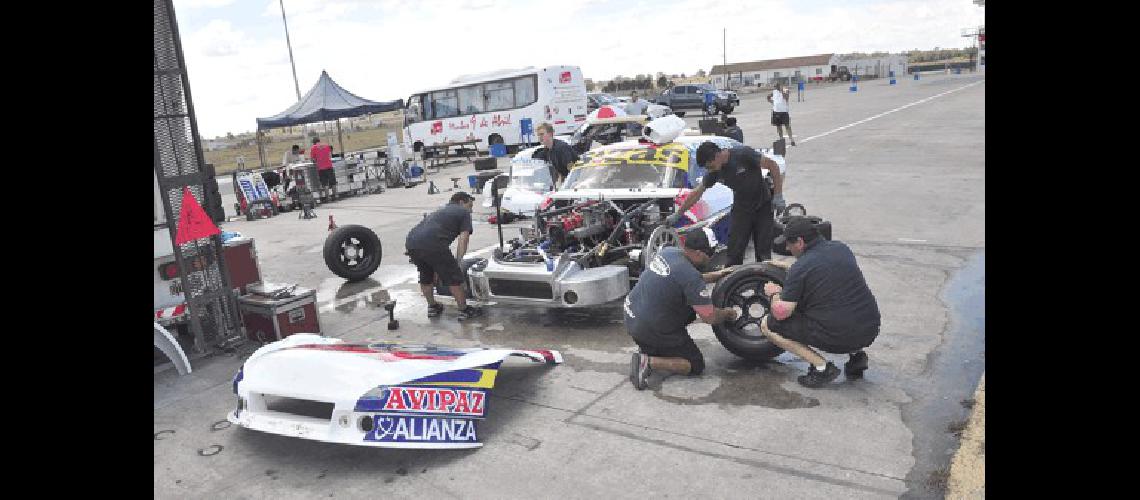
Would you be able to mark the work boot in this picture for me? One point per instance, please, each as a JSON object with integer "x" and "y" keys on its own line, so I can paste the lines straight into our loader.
{"x": 639, "y": 371}
{"x": 856, "y": 365}
{"x": 815, "y": 378}
{"x": 434, "y": 310}
{"x": 470, "y": 312}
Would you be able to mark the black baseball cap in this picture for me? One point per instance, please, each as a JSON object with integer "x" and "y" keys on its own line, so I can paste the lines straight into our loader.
{"x": 800, "y": 227}
{"x": 699, "y": 240}
{"x": 461, "y": 196}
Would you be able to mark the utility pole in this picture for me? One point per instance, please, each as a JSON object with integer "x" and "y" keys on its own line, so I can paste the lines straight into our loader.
{"x": 724, "y": 49}
{"x": 289, "y": 44}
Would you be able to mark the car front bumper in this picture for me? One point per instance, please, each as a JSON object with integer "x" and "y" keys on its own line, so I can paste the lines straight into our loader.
{"x": 564, "y": 284}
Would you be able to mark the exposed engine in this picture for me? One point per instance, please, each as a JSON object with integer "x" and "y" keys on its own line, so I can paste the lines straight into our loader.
{"x": 595, "y": 232}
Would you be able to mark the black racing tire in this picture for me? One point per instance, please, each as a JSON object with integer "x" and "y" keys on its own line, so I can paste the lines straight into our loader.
{"x": 726, "y": 109}
{"x": 495, "y": 139}
{"x": 352, "y": 252}
{"x": 744, "y": 289}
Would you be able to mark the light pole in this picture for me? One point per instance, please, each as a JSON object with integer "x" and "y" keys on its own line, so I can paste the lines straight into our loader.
{"x": 289, "y": 44}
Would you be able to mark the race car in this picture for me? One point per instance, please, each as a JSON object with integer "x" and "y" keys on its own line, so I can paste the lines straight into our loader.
{"x": 382, "y": 395}
{"x": 596, "y": 233}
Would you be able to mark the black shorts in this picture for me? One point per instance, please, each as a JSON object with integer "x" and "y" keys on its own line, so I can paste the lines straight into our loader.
{"x": 781, "y": 118}
{"x": 809, "y": 332}
{"x": 688, "y": 350}
{"x": 432, "y": 262}
{"x": 328, "y": 177}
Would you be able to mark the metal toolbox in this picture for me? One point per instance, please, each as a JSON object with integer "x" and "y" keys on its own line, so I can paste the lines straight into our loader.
{"x": 270, "y": 319}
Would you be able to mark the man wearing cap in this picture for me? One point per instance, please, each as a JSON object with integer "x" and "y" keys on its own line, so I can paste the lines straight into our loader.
{"x": 428, "y": 246}
{"x": 668, "y": 296}
{"x": 752, "y": 199}
{"x": 825, "y": 303}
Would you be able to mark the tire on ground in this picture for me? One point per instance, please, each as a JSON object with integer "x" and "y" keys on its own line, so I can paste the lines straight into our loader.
{"x": 361, "y": 268}
{"x": 748, "y": 345}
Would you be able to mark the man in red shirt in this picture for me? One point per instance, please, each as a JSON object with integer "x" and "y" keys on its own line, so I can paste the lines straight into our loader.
{"x": 322, "y": 155}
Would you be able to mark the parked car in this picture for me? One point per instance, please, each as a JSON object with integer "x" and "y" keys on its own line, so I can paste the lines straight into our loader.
{"x": 692, "y": 97}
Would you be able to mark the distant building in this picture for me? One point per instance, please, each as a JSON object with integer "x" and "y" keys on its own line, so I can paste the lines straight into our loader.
{"x": 807, "y": 68}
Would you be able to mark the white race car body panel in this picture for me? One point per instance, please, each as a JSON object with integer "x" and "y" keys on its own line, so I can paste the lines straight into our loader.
{"x": 381, "y": 394}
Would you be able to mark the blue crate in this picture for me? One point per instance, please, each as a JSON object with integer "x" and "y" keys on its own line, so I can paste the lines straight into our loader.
{"x": 498, "y": 150}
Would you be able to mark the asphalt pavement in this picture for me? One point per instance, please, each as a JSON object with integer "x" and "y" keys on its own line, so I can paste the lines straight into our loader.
{"x": 898, "y": 170}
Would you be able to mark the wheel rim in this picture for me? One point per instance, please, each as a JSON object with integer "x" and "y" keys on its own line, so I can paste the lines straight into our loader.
{"x": 660, "y": 238}
{"x": 748, "y": 299}
{"x": 355, "y": 253}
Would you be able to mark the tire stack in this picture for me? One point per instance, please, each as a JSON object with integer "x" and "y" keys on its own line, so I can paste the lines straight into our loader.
{"x": 213, "y": 202}
{"x": 796, "y": 210}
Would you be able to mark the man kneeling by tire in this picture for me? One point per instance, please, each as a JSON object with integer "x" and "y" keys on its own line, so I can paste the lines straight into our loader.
{"x": 668, "y": 297}
{"x": 825, "y": 303}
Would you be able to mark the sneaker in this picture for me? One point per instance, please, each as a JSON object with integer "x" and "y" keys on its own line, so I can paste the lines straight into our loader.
{"x": 434, "y": 310}
{"x": 639, "y": 371}
{"x": 855, "y": 366}
{"x": 816, "y": 378}
{"x": 793, "y": 142}
{"x": 470, "y": 312}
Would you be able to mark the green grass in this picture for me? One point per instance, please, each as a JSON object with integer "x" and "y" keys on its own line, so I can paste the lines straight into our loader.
{"x": 226, "y": 160}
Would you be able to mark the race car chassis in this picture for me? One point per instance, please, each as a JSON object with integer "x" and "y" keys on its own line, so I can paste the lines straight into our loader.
{"x": 561, "y": 283}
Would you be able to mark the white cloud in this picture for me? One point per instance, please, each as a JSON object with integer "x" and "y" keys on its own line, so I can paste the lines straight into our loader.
{"x": 387, "y": 49}
{"x": 198, "y": 4}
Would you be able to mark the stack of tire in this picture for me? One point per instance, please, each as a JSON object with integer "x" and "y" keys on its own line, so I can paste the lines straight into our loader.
{"x": 212, "y": 203}
{"x": 796, "y": 210}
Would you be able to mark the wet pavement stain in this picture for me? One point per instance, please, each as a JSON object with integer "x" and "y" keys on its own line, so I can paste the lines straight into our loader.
{"x": 744, "y": 383}
{"x": 952, "y": 374}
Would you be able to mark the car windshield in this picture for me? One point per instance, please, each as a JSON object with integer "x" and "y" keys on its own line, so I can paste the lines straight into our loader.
{"x": 639, "y": 168}
{"x": 530, "y": 175}
{"x": 642, "y": 176}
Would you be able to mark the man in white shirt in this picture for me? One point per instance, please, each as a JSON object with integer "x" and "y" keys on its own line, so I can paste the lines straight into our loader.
{"x": 779, "y": 100}
{"x": 635, "y": 107}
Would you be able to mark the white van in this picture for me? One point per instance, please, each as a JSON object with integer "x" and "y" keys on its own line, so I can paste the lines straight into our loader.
{"x": 491, "y": 106}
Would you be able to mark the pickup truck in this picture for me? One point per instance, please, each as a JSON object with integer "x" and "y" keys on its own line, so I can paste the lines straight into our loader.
{"x": 683, "y": 97}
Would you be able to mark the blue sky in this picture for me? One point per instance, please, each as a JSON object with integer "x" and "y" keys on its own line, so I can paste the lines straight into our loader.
{"x": 387, "y": 49}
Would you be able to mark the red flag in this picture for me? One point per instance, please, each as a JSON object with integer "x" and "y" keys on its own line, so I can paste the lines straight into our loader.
{"x": 193, "y": 223}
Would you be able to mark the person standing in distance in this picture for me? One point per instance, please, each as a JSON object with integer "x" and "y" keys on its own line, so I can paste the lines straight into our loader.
{"x": 321, "y": 154}
{"x": 779, "y": 100}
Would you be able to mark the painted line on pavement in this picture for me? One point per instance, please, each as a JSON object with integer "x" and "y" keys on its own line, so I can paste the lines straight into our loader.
{"x": 900, "y": 108}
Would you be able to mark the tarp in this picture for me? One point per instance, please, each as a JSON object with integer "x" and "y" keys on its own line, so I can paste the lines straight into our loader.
{"x": 326, "y": 101}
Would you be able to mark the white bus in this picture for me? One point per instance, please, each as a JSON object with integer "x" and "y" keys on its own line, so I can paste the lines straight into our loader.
{"x": 491, "y": 107}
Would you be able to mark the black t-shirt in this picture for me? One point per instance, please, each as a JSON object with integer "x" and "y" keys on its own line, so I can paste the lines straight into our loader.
{"x": 560, "y": 156}
{"x": 661, "y": 304}
{"x": 742, "y": 174}
{"x": 828, "y": 287}
{"x": 440, "y": 228}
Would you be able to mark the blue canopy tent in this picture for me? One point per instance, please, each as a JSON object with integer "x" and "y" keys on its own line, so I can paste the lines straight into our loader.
{"x": 325, "y": 101}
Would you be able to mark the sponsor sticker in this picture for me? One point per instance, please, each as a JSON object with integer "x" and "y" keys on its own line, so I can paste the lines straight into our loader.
{"x": 427, "y": 401}
{"x": 673, "y": 155}
{"x": 414, "y": 429}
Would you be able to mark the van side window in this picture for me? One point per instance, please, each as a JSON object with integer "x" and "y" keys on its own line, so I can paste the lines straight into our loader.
{"x": 471, "y": 99}
{"x": 500, "y": 95}
{"x": 445, "y": 104}
{"x": 524, "y": 91}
